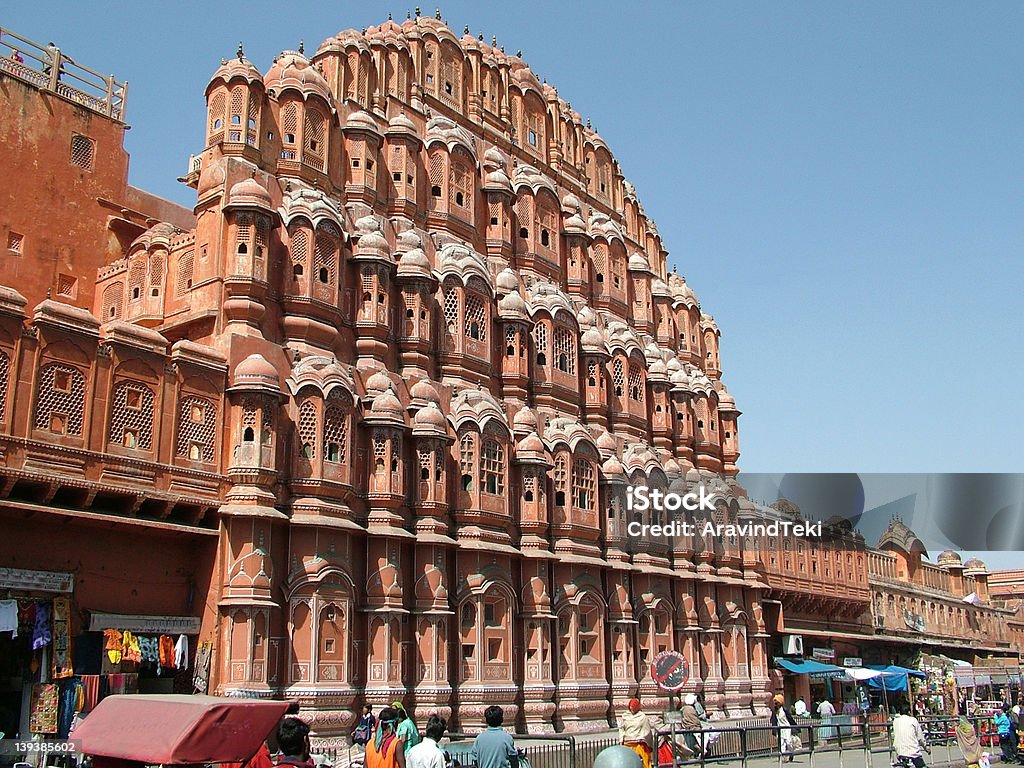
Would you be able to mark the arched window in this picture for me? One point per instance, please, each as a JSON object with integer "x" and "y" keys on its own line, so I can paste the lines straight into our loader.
{"x": 583, "y": 484}
{"x": 560, "y": 480}
{"x": 540, "y": 342}
{"x": 467, "y": 461}
{"x": 565, "y": 350}
{"x": 336, "y": 428}
{"x": 618, "y": 377}
{"x": 493, "y": 468}
{"x": 216, "y": 121}
{"x": 476, "y": 316}
{"x": 636, "y": 384}
{"x": 307, "y": 430}
{"x": 289, "y": 128}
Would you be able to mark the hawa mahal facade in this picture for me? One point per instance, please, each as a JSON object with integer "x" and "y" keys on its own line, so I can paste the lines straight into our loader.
{"x": 369, "y": 412}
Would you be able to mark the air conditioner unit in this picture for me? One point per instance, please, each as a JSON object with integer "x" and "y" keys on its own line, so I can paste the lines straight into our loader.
{"x": 792, "y": 645}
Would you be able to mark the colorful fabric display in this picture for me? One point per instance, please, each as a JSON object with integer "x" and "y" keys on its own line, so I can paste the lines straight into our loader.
{"x": 167, "y": 652}
{"x": 113, "y": 642}
{"x": 41, "y": 631}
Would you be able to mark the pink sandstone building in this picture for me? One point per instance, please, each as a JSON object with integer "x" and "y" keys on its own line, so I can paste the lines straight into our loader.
{"x": 369, "y": 412}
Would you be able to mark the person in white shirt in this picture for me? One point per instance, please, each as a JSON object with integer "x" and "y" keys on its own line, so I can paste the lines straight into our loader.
{"x": 800, "y": 708}
{"x": 428, "y": 753}
{"x": 825, "y": 712}
{"x": 908, "y": 738}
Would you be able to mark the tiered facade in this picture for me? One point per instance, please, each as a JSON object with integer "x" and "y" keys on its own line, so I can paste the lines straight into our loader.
{"x": 372, "y": 417}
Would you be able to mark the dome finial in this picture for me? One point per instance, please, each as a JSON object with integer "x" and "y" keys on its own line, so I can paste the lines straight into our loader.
{"x": 437, "y": 14}
{"x": 302, "y": 46}
{"x": 588, "y": 123}
{"x": 417, "y": 11}
{"x": 480, "y": 37}
{"x": 465, "y": 30}
{"x": 494, "y": 41}
{"x": 519, "y": 53}
{"x": 389, "y": 16}
{"x": 240, "y": 51}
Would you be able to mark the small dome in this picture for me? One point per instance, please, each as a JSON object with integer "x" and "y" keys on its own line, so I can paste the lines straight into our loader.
{"x": 424, "y": 390}
{"x": 430, "y": 416}
{"x": 592, "y": 340}
{"x": 605, "y": 442}
{"x": 512, "y": 306}
{"x": 362, "y": 120}
{"x": 612, "y": 469}
{"x": 249, "y": 193}
{"x": 293, "y": 70}
{"x": 238, "y": 67}
{"x": 525, "y": 420}
{"x": 638, "y": 263}
{"x": 401, "y": 123}
{"x": 530, "y": 444}
{"x": 949, "y": 557}
{"x": 414, "y": 263}
{"x": 378, "y": 383}
{"x": 256, "y": 370}
{"x": 507, "y": 281}
{"x": 974, "y": 564}
{"x": 387, "y": 404}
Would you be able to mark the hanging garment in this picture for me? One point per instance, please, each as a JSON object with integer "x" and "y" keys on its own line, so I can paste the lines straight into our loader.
{"x": 26, "y": 614}
{"x": 181, "y": 652}
{"x": 149, "y": 650}
{"x": 92, "y": 692}
{"x": 167, "y": 652}
{"x": 131, "y": 648}
{"x": 9, "y": 616}
{"x": 113, "y": 644}
{"x": 41, "y": 631}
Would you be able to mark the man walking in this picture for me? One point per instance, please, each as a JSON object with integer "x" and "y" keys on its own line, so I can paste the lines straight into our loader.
{"x": 1007, "y": 732}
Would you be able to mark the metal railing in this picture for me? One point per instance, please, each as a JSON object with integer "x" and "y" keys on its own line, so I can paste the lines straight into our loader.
{"x": 50, "y": 69}
{"x": 829, "y": 743}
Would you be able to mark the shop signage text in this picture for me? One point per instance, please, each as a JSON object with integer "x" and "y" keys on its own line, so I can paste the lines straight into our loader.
{"x": 36, "y": 581}
{"x": 823, "y": 653}
{"x": 853, "y": 661}
{"x": 168, "y": 625}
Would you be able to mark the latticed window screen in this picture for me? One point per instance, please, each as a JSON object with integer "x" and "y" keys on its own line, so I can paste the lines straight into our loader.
{"x": 361, "y": 89}
{"x": 136, "y": 278}
{"x": 60, "y": 401}
{"x": 217, "y": 112}
{"x": 451, "y": 308}
{"x": 325, "y": 264}
{"x": 112, "y": 296}
{"x": 600, "y": 261}
{"x": 5, "y": 373}
{"x": 131, "y": 416}
{"x": 524, "y": 214}
{"x": 336, "y": 430}
{"x": 237, "y": 102}
{"x": 436, "y": 175}
{"x": 565, "y": 350}
{"x": 618, "y": 378}
{"x": 252, "y": 127}
{"x": 583, "y": 484}
{"x": 529, "y": 486}
{"x": 540, "y": 342}
{"x": 15, "y": 241}
{"x": 83, "y": 151}
{"x": 592, "y": 373}
{"x": 186, "y": 267}
{"x": 156, "y": 269}
{"x": 476, "y": 316}
{"x": 250, "y": 407}
{"x": 244, "y": 233}
{"x": 197, "y": 422}
{"x": 351, "y": 67}
{"x": 314, "y": 138}
{"x": 461, "y": 190}
{"x": 493, "y": 467}
{"x": 306, "y": 429}
{"x": 636, "y": 383}
{"x": 300, "y": 248}
{"x": 510, "y": 341}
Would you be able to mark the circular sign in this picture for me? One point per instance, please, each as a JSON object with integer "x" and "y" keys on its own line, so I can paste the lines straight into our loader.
{"x": 670, "y": 670}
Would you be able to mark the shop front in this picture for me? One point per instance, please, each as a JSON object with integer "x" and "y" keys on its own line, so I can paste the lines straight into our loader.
{"x": 59, "y": 659}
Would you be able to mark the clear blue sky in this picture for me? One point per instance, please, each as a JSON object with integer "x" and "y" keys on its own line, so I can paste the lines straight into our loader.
{"x": 840, "y": 183}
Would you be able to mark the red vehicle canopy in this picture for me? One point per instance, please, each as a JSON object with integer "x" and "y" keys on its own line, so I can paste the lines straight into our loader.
{"x": 176, "y": 729}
